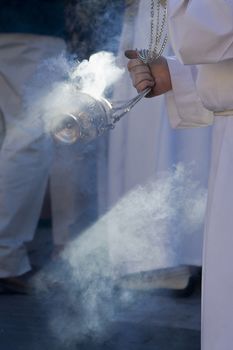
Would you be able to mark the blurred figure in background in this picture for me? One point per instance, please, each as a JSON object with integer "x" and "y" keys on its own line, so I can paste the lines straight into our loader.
{"x": 31, "y": 35}
{"x": 34, "y": 31}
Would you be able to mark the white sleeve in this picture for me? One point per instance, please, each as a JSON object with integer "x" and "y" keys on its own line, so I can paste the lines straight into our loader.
{"x": 184, "y": 106}
{"x": 201, "y": 31}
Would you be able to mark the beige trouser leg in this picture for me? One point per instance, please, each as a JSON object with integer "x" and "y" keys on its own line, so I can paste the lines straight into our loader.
{"x": 25, "y": 152}
{"x": 64, "y": 176}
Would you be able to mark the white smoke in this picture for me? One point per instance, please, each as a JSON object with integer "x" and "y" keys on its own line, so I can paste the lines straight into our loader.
{"x": 146, "y": 225}
{"x": 53, "y": 91}
{"x": 95, "y": 75}
{"x": 141, "y": 232}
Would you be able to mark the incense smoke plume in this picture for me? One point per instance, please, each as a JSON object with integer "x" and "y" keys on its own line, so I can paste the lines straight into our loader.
{"x": 141, "y": 232}
{"x": 53, "y": 90}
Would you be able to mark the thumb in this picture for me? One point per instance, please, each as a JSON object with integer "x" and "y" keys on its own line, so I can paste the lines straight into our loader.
{"x": 131, "y": 54}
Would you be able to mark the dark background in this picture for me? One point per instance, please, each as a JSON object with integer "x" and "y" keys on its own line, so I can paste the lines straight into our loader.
{"x": 87, "y": 25}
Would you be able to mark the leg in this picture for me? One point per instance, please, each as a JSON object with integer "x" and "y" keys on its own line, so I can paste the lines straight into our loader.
{"x": 24, "y": 166}
{"x": 26, "y": 152}
{"x": 63, "y": 190}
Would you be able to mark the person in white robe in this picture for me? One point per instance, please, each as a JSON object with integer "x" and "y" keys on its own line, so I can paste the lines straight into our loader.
{"x": 28, "y": 159}
{"x": 143, "y": 145}
{"x": 201, "y": 33}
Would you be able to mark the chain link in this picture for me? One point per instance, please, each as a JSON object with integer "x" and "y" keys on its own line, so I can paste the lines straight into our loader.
{"x": 158, "y": 34}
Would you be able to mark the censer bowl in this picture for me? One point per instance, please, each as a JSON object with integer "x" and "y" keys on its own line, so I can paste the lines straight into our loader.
{"x": 90, "y": 117}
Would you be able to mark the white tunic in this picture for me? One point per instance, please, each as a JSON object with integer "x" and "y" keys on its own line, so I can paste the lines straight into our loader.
{"x": 143, "y": 144}
{"x": 202, "y": 36}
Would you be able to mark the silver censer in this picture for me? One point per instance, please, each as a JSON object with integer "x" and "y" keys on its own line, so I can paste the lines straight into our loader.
{"x": 91, "y": 117}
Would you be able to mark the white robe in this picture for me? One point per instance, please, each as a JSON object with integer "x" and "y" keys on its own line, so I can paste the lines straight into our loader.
{"x": 143, "y": 144}
{"x": 201, "y": 32}
{"x": 28, "y": 158}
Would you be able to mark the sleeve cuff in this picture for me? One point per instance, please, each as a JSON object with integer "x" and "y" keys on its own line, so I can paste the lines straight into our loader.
{"x": 184, "y": 106}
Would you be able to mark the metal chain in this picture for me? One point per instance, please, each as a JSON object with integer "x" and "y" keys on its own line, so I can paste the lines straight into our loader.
{"x": 158, "y": 37}
{"x": 152, "y": 14}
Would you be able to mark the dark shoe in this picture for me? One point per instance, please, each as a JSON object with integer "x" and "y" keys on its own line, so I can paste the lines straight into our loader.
{"x": 16, "y": 285}
{"x": 178, "y": 281}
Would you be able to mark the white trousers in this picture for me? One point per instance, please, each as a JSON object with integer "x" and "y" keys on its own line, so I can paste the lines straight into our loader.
{"x": 26, "y": 152}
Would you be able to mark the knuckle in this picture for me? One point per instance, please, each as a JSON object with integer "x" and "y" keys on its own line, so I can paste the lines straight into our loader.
{"x": 136, "y": 64}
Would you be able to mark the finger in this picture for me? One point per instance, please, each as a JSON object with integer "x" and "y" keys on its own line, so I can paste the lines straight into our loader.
{"x": 134, "y": 63}
{"x": 131, "y": 54}
{"x": 138, "y": 69}
{"x": 138, "y": 78}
